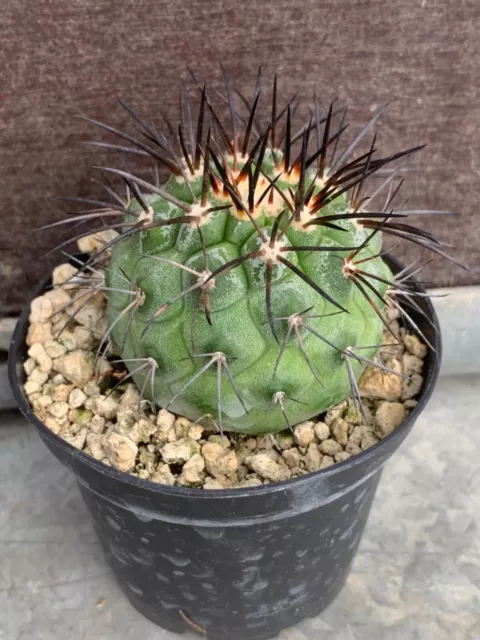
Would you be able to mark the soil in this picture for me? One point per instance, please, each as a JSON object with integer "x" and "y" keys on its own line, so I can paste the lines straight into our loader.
{"x": 74, "y": 398}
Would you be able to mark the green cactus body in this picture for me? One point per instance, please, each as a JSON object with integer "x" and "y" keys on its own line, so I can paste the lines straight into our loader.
{"x": 264, "y": 379}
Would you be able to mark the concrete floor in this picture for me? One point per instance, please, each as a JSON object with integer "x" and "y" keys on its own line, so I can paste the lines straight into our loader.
{"x": 416, "y": 576}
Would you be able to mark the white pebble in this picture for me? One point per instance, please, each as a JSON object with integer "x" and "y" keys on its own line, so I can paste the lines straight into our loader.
{"x": 105, "y": 406}
{"x": 327, "y": 461}
{"x": 76, "y": 366}
{"x": 340, "y": 430}
{"x": 64, "y": 272}
{"x": 29, "y": 365}
{"x": 77, "y": 398}
{"x": 142, "y": 430}
{"x": 77, "y": 440}
{"x": 92, "y": 315}
{"x": 322, "y": 431}
{"x": 378, "y": 384}
{"x": 195, "y": 431}
{"x": 121, "y": 451}
{"x": 59, "y": 298}
{"x": 341, "y": 456}
{"x": 335, "y": 412}
{"x": 55, "y": 349}
{"x": 61, "y": 392}
{"x": 304, "y": 433}
{"x": 32, "y": 387}
{"x": 193, "y": 472}
{"x": 41, "y": 309}
{"x": 330, "y": 447}
{"x": 415, "y": 346}
{"x": 313, "y": 457}
{"x": 163, "y": 475}
{"x": 83, "y": 338}
{"x": 219, "y": 460}
{"x": 58, "y": 409}
{"x": 283, "y": 440}
{"x": 41, "y": 402}
{"x": 67, "y": 339}
{"x": 412, "y": 386}
{"x": 91, "y": 388}
{"x": 388, "y": 417}
{"x": 95, "y": 240}
{"x": 211, "y": 483}
{"x": 52, "y": 424}
{"x": 97, "y": 424}
{"x": 131, "y": 396}
{"x": 166, "y": 426}
{"x": 266, "y": 468}
{"x": 177, "y": 452}
{"x": 182, "y": 426}
{"x": 292, "y": 458}
{"x": 94, "y": 443}
{"x": 39, "y": 332}
{"x": 39, "y": 376}
{"x": 38, "y": 353}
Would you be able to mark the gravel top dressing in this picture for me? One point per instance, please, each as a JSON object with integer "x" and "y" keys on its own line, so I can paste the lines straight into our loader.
{"x": 83, "y": 399}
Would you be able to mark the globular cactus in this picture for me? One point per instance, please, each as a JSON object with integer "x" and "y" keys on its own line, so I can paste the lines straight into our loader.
{"x": 251, "y": 285}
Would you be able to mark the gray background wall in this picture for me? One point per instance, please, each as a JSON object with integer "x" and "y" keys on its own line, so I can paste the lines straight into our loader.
{"x": 60, "y": 59}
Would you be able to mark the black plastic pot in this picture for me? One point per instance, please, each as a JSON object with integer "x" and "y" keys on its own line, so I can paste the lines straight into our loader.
{"x": 242, "y": 564}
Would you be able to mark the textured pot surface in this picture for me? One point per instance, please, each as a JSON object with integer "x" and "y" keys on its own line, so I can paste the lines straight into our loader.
{"x": 241, "y": 564}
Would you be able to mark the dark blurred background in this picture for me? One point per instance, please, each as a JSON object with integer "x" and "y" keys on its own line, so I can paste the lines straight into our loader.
{"x": 60, "y": 59}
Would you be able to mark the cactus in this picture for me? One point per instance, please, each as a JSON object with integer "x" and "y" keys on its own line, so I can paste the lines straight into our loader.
{"x": 250, "y": 286}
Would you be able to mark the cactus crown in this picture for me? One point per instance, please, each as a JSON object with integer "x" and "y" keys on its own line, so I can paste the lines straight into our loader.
{"x": 251, "y": 285}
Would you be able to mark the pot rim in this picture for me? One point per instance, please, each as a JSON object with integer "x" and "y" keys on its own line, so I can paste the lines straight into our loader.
{"x": 16, "y": 383}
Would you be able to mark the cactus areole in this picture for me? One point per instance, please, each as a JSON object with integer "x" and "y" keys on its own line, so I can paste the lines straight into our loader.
{"x": 250, "y": 286}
